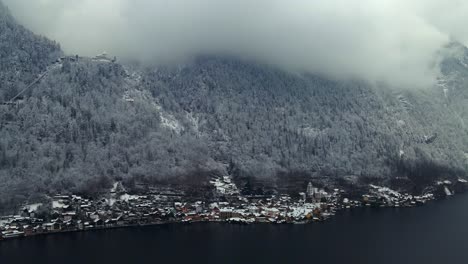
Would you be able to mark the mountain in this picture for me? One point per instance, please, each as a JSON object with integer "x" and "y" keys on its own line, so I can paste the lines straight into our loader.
{"x": 23, "y": 54}
{"x": 272, "y": 124}
{"x": 83, "y": 123}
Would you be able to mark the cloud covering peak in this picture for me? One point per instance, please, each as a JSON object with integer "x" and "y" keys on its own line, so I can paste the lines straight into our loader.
{"x": 394, "y": 41}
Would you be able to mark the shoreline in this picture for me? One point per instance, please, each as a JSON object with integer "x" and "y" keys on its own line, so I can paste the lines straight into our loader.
{"x": 118, "y": 209}
{"x": 223, "y": 222}
{"x": 350, "y": 233}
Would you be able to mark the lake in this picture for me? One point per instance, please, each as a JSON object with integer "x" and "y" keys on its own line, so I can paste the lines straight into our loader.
{"x": 435, "y": 233}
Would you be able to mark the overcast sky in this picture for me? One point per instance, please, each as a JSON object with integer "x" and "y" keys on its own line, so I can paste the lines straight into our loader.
{"x": 380, "y": 40}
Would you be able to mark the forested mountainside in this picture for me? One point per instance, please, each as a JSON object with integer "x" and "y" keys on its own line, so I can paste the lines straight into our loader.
{"x": 275, "y": 125}
{"x": 23, "y": 55}
{"x": 88, "y": 122}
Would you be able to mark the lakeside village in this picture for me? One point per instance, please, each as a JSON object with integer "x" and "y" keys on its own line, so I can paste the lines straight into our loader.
{"x": 68, "y": 213}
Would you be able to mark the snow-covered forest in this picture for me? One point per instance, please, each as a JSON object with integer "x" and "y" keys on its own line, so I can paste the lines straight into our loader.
{"x": 88, "y": 122}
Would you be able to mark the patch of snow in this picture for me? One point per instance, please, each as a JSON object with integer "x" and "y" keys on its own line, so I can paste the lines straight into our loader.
{"x": 404, "y": 102}
{"x": 446, "y": 92}
{"x": 385, "y": 191}
{"x": 169, "y": 121}
{"x": 58, "y": 204}
{"x": 133, "y": 94}
{"x": 442, "y": 82}
{"x": 462, "y": 62}
{"x": 225, "y": 186}
{"x": 401, "y": 123}
{"x": 401, "y": 153}
{"x": 32, "y": 207}
{"x": 447, "y": 191}
{"x": 131, "y": 86}
{"x": 114, "y": 187}
{"x": 310, "y": 131}
{"x": 299, "y": 212}
{"x": 111, "y": 201}
{"x": 117, "y": 187}
{"x": 157, "y": 106}
{"x": 128, "y": 197}
{"x": 194, "y": 121}
{"x": 103, "y": 60}
{"x": 102, "y": 57}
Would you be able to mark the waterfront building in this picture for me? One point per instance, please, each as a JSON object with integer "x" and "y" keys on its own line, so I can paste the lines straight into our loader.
{"x": 225, "y": 213}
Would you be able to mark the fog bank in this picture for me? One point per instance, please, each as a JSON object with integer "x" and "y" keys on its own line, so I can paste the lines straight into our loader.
{"x": 379, "y": 40}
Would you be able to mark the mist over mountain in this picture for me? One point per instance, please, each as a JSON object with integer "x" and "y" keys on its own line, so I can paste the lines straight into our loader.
{"x": 393, "y": 41}
{"x": 87, "y": 122}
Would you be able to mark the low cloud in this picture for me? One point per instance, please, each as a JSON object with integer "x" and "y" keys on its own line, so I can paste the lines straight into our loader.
{"x": 394, "y": 41}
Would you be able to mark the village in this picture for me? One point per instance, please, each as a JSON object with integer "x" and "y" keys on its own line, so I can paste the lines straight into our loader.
{"x": 71, "y": 213}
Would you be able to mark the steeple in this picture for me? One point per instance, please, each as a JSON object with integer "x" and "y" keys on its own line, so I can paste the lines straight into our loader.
{"x": 310, "y": 190}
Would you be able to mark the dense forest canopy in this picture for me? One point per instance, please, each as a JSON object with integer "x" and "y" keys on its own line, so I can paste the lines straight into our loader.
{"x": 89, "y": 122}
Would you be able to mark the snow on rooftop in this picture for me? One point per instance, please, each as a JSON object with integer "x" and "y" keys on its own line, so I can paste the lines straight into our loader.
{"x": 57, "y": 204}
{"x": 32, "y": 207}
{"x": 447, "y": 191}
{"x": 127, "y": 197}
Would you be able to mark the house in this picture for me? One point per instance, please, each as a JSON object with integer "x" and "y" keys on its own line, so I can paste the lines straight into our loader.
{"x": 87, "y": 225}
{"x": 54, "y": 226}
{"x": 68, "y": 216}
{"x": 198, "y": 208}
{"x": 104, "y": 58}
{"x": 225, "y": 213}
{"x": 119, "y": 220}
{"x": 79, "y": 225}
{"x": 28, "y": 230}
{"x": 98, "y": 223}
{"x": 109, "y": 223}
{"x": 94, "y": 216}
{"x": 272, "y": 212}
{"x": 25, "y": 212}
{"x": 12, "y": 234}
{"x": 39, "y": 229}
{"x": 49, "y": 227}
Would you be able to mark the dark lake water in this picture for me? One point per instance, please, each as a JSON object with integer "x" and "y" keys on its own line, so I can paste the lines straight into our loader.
{"x": 435, "y": 233}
